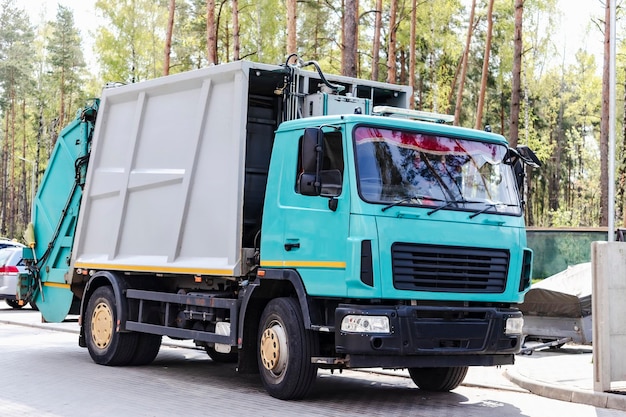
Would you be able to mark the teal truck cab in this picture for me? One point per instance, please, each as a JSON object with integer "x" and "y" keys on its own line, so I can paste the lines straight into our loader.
{"x": 230, "y": 206}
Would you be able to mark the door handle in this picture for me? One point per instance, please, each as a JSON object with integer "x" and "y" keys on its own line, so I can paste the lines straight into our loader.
{"x": 292, "y": 245}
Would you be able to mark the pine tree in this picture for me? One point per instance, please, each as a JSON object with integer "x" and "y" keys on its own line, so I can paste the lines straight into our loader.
{"x": 66, "y": 62}
{"x": 16, "y": 65}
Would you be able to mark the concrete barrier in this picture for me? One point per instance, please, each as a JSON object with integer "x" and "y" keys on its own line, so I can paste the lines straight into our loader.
{"x": 609, "y": 314}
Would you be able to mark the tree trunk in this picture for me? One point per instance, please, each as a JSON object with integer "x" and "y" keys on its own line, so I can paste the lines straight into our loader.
{"x": 349, "y": 35}
{"x": 292, "y": 47}
{"x": 226, "y": 43}
{"x": 459, "y": 95}
{"x": 554, "y": 186}
{"x": 40, "y": 133}
{"x": 5, "y": 181}
{"x": 168, "y": 38}
{"x": 391, "y": 47}
{"x": 412, "y": 60}
{"x": 485, "y": 74}
{"x": 376, "y": 43}
{"x": 236, "y": 44}
{"x": 12, "y": 205}
{"x": 621, "y": 182}
{"x": 454, "y": 81}
{"x": 24, "y": 196}
{"x": 517, "y": 74}
{"x": 604, "y": 124}
{"x": 211, "y": 33}
{"x": 62, "y": 104}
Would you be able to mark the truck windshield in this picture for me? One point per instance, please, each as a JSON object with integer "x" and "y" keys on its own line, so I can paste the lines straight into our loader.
{"x": 409, "y": 168}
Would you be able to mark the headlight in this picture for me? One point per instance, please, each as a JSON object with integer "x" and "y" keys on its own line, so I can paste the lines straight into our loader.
{"x": 514, "y": 325}
{"x": 365, "y": 324}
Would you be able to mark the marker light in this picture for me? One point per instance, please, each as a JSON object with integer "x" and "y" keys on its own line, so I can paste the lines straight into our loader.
{"x": 514, "y": 325}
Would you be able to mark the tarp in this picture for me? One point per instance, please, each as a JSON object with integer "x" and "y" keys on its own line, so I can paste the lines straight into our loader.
{"x": 566, "y": 294}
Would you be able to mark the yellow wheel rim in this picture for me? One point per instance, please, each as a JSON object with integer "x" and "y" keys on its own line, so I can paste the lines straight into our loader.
{"x": 102, "y": 325}
{"x": 274, "y": 352}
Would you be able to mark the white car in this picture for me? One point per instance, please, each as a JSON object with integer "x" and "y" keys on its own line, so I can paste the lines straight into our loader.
{"x": 11, "y": 265}
{"x": 8, "y": 243}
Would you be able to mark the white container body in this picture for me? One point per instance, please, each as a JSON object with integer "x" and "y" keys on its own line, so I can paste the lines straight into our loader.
{"x": 165, "y": 180}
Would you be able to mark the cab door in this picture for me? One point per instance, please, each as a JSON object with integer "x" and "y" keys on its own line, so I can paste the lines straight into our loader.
{"x": 314, "y": 234}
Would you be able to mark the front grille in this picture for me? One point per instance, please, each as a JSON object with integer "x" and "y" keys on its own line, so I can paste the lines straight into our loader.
{"x": 449, "y": 268}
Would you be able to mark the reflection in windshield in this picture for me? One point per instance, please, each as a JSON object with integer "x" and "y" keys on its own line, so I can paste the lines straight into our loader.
{"x": 395, "y": 166}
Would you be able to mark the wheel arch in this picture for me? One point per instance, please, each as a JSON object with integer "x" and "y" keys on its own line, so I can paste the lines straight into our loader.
{"x": 275, "y": 283}
{"x": 119, "y": 286}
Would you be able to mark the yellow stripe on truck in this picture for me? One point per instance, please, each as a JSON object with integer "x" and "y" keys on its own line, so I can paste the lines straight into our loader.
{"x": 152, "y": 268}
{"x": 56, "y": 285}
{"x": 305, "y": 264}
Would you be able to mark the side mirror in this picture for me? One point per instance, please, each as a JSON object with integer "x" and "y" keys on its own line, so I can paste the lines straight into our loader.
{"x": 528, "y": 156}
{"x": 310, "y": 180}
{"x": 517, "y": 158}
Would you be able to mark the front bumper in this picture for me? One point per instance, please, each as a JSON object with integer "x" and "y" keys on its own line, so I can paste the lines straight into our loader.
{"x": 430, "y": 336}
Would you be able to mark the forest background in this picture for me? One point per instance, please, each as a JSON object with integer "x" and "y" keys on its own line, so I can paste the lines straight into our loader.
{"x": 457, "y": 54}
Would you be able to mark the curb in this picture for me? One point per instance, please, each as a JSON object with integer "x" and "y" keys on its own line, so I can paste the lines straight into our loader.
{"x": 573, "y": 395}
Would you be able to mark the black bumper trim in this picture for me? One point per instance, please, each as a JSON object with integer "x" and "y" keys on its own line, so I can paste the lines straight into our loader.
{"x": 369, "y": 361}
{"x": 420, "y": 334}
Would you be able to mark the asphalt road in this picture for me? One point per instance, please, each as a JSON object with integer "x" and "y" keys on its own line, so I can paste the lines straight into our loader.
{"x": 46, "y": 374}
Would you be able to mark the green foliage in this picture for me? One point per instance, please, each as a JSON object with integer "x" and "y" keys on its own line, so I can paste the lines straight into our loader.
{"x": 43, "y": 78}
{"x": 16, "y": 82}
{"x": 16, "y": 63}
{"x": 131, "y": 41}
{"x": 189, "y": 46}
{"x": 66, "y": 63}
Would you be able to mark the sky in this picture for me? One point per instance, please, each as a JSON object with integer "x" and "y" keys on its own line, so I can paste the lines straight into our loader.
{"x": 574, "y": 32}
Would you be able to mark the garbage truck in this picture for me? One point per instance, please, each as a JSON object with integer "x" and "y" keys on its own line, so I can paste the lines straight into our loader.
{"x": 283, "y": 219}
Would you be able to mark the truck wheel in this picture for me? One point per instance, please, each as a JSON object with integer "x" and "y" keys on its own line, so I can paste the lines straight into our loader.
{"x": 285, "y": 350}
{"x": 148, "y": 346}
{"x": 438, "y": 379}
{"x": 230, "y": 357}
{"x": 106, "y": 345}
{"x": 14, "y": 304}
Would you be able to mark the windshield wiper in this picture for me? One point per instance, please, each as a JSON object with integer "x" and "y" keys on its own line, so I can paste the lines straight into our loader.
{"x": 417, "y": 197}
{"x": 489, "y": 207}
{"x": 486, "y": 209}
{"x": 443, "y": 206}
{"x": 451, "y": 202}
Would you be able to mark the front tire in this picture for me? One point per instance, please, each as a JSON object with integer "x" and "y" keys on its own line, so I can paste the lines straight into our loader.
{"x": 106, "y": 345}
{"x": 438, "y": 379}
{"x": 285, "y": 350}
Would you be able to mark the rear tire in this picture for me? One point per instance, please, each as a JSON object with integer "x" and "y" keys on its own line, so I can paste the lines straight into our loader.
{"x": 438, "y": 379}
{"x": 148, "y": 346}
{"x": 285, "y": 350}
{"x": 14, "y": 304}
{"x": 106, "y": 345}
